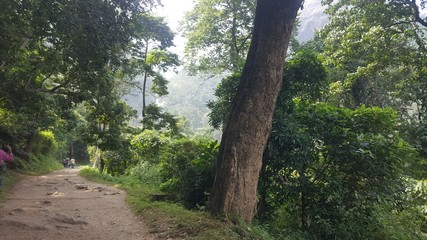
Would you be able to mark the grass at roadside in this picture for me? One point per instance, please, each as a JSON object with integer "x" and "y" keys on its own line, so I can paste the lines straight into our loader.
{"x": 170, "y": 220}
{"x": 37, "y": 165}
{"x": 8, "y": 179}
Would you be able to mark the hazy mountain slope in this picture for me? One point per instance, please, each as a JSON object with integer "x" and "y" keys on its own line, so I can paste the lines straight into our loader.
{"x": 312, "y": 18}
{"x": 188, "y": 96}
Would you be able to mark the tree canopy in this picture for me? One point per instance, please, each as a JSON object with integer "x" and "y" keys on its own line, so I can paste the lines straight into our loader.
{"x": 218, "y": 34}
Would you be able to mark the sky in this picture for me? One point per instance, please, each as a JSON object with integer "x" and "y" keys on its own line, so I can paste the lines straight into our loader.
{"x": 173, "y": 11}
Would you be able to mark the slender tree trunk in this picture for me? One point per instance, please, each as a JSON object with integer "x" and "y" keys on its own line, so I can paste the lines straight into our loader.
{"x": 304, "y": 223}
{"x": 71, "y": 150}
{"x": 98, "y": 151}
{"x": 96, "y": 163}
{"x": 245, "y": 136}
{"x": 144, "y": 84}
{"x": 30, "y": 141}
{"x": 303, "y": 204}
{"x": 32, "y": 137}
{"x": 101, "y": 164}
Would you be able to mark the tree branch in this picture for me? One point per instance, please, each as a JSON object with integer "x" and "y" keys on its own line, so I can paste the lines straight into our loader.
{"x": 417, "y": 14}
{"x": 399, "y": 23}
{"x": 59, "y": 86}
{"x": 244, "y": 42}
{"x": 42, "y": 90}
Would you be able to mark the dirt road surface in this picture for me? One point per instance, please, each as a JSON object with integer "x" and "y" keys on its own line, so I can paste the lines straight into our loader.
{"x": 62, "y": 205}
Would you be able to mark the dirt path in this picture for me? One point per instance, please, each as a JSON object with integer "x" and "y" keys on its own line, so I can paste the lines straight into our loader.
{"x": 62, "y": 205}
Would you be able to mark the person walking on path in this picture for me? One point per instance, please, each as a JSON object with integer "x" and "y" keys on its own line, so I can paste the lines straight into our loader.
{"x": 66, "y": 162}
{"x": 6, "y": 156}
{"x": 72, "y": 162}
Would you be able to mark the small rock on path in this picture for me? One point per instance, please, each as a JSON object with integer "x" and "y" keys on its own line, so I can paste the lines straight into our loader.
{"x": 64, "y": 206}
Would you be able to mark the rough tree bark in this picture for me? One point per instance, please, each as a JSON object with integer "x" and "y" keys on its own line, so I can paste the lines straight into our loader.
{"x": 248, "y": 127}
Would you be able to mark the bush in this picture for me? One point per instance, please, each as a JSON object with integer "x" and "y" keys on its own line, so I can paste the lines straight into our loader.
{"x": 402, "y": 224}
{"x": 329, "y": 167}
{"x": 145, "y": 173}
{"x": 146, "y": 146}
{"x": 188, "y": 170}
{"x": 45, "y": 143}
{"x": 116, "y": 162}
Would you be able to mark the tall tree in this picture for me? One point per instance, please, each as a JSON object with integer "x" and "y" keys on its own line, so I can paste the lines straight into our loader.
{"x": 150, "y": 55}
{"x": 218, "y": 33}
{"x": 249, "y": 123}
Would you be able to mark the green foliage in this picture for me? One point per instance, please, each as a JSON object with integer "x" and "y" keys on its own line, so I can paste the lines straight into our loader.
{"x": 376, "y": 55}
{"x": 326, "y": 168}
{"x": 160, "y": 59}
{"x": 157, "y": 119}
{"x": 225, "y": 92}
{"x": 94, "y": 174}
{"x": 148, "y": 144}
{"x": 102, "y": 122}
{"x": 305, "y": 75}
{"x": 151, "y": 30}
{"x": 329, "y": 166}
{"x": 44, "y": 158}
{"x": 56, "y": 55}
{"x": 150, "y": 57}
{"x": 406, "y": 223}
{"x": 145, "y": 173}
{"x": 38, "y": 164}
{"x": 373, "y": 34}
{"x": 45, "y": 143}
{"x": 218, "y": 34}
{"x": 117, "y": 161}
{"x": 329, "y": 172}
{"x": 188, "y": 170}
{"x": 284, "y": 224}
{"x": 9, "y": 179}
{"x": 8, "y": 127}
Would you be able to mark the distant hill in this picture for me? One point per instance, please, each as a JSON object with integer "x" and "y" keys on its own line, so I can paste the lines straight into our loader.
{"x": 312, "y": 18}
{"x": 188, "y": 96}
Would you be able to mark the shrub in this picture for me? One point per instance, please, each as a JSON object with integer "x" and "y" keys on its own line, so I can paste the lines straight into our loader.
{"x": 188, "y": 170}
{"x": 331, "y": 166}
{"x": 145, "y": 173}
{"x": 45, "y": 143}
{"x": 115, "y": 162}
{"x": 146, "y": 146}
{"x": 405, "y": 223}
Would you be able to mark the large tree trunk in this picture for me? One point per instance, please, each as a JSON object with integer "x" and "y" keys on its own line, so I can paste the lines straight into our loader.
{"x": 248, "y": 127}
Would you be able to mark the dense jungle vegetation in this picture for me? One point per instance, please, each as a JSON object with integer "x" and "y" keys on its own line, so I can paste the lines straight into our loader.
{"x": 347, "y": 153}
